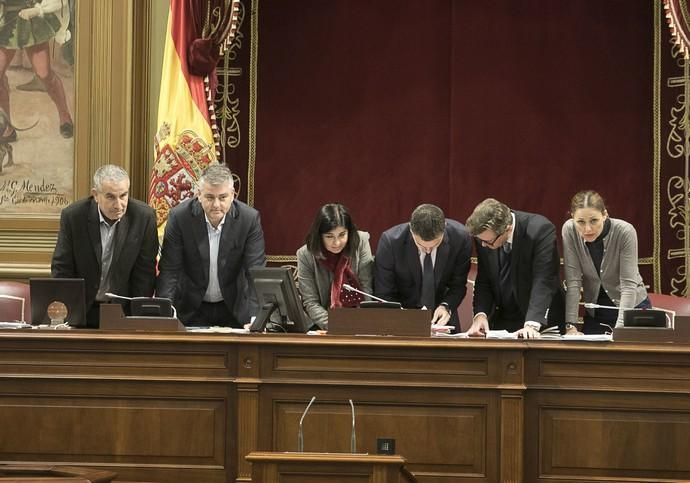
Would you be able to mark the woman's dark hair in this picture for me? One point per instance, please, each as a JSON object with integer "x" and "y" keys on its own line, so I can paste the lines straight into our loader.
{"x": 328, "y": 217}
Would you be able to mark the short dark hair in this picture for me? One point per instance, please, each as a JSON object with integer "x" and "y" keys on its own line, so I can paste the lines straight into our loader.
{"x": 330, "y": 216}
{"x": 490, "y": 214}
{"x": 428, "y": 222}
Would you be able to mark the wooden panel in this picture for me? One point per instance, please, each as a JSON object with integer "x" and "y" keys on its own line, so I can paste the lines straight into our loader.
{"x": 445, "y": 436}
{"x": 511, "y": 437}
{"x": 609, "y": 371}
{"x": 112, "y": 429}
{"x": 610, "y": 436}
{"x": 360, "y": 365}
{"x": 139, "y": 360}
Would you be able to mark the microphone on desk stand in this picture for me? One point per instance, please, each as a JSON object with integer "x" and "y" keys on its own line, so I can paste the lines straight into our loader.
{"x": 353, "y": 436}
{"x": 669, "y": 319}
{"x": 300, "y": 434}
{"x": 129, "y": 299}
{"x": 352, "y": 289}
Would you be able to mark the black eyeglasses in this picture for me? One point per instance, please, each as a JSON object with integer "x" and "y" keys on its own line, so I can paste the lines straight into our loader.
{"x": 489, "y": 243}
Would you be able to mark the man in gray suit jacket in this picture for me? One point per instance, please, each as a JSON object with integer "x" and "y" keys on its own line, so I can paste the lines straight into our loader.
{"x": 109, "y": 240}
{"x": 425, "y": 263}
{"x": 517, "y": 287}
{"x": 210, "y": 243}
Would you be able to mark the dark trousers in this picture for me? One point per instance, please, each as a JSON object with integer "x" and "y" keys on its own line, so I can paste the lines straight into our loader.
{"x": 213, "y": 313}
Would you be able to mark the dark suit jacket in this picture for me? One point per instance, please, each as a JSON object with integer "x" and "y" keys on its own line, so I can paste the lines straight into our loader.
{"x": 533, "y": 271}
{"x": 78, "y": 250}
{"x": 185, "y": 255}
{"x": 398, "y": 271}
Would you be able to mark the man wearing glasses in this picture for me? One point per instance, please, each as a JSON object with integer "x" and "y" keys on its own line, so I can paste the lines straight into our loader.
{"x": 517, "y": 274}
{"x": 424, "y": 263}
{"x": 210, "y": 243}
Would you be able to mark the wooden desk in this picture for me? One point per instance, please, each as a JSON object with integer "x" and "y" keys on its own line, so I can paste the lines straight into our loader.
{"x": 190, "y": 407}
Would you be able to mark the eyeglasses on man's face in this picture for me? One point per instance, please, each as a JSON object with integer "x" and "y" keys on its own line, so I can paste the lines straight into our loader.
{"x": 488, "y": 243}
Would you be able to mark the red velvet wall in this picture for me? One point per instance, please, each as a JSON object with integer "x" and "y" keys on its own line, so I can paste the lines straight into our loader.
{"x": 386, "y": 104}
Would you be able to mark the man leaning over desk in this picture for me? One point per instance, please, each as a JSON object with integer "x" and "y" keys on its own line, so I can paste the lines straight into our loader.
{"x": 517, "y": 286}
{"x": 109, "y": 240}
{"x": 424, "y": 263}
{"x": 210, "y": 243}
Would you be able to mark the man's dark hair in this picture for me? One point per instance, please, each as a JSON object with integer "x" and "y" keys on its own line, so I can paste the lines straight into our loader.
{"x": 428, "y": 222}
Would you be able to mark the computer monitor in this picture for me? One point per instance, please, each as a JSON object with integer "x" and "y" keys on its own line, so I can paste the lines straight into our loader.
{"x": 279, "y": 303}
{"x": 58, "y": 299}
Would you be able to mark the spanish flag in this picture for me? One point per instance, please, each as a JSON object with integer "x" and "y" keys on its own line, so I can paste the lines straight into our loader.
{"x": 184, "y": 143}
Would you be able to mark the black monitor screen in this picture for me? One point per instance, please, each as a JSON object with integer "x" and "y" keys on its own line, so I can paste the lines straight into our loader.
{"x": 279, "y": 302}
{"x": 57, "y": 299}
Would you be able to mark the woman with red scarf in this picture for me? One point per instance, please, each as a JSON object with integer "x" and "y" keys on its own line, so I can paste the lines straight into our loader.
{"x": 335, "y": 253}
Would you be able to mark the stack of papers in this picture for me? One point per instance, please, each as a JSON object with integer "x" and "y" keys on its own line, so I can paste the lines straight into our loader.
{"x": 218, "y": 329}
{"x": 14, "y": 325}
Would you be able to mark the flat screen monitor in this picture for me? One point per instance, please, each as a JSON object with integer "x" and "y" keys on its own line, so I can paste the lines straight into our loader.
{"x": 57, "y": 300}
{"x": 280, "y": 307}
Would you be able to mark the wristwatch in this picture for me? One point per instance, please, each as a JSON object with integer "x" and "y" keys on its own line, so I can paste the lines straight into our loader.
{"x": 533, "y": 325}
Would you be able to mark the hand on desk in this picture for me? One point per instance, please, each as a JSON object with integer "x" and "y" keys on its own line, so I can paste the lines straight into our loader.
{"x": 528, "y": 333}
{"x": 441, "y": 316}
{"x": 479, "y": 327}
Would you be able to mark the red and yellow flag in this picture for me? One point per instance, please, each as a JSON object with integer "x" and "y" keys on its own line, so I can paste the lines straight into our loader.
{"x": 184, "y": 144}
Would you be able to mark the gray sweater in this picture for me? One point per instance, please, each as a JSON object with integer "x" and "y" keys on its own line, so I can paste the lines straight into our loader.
{"x": 315, "y": 280}
{"x": 619, "y": 275}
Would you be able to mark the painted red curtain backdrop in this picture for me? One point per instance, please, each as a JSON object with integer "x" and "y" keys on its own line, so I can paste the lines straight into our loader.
{"x": 384, "y": 105}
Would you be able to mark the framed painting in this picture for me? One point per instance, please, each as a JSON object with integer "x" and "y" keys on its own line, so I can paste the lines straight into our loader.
{"x": 65, "y": 109}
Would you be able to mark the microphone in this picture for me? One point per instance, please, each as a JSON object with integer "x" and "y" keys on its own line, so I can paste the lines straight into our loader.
{"x": 300, "y": 434}
{"x": 590, "y": 305}
{"x": 352, "y": 289}
{"x": 353, "y": 437}
{"x": 129, "y": 299}
{"x": 669, "y": 319}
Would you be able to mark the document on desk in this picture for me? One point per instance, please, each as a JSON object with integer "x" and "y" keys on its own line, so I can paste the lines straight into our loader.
{"x": 591, "y": 337}
{"x": 446, "y": 335}
{"x": 501, "y": 334}
{"x": 15, "y": 325}
{"x": 218, "y": 330}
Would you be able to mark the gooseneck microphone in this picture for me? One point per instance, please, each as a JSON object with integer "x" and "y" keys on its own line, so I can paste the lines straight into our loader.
{"x": 353, "y": 436}
{"x": 300, "y": 434}
{"x": 352, "y": 289}
{"x": 113, "y": 296}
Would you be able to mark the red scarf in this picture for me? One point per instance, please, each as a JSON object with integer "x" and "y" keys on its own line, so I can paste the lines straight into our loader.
{"x": 339, "y": 265}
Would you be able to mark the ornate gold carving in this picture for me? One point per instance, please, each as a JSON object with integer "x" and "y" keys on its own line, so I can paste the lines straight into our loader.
{"x": 678, "y": 193}
{"x": 227, "y": 102}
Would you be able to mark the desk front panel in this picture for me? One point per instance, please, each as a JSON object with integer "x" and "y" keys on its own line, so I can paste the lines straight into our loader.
{"x": 189, "y": 407}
